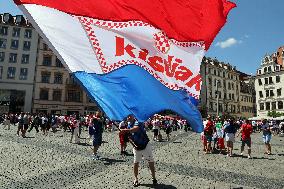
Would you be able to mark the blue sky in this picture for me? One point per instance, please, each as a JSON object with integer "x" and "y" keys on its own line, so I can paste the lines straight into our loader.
{"x": 253, "y": 29}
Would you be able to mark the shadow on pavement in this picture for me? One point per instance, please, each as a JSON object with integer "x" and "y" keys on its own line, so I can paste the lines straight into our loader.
{"x": 159, "y": 186}
{"x": 109, "y": 161}
{"x": 29, "y": 137}
{"x": 177, "y": 142}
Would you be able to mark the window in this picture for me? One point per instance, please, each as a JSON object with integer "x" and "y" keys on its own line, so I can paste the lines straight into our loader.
{"x": 261, "y": 106}
{"x": 280, "y": 105}
{"x": 25, "y": 58}
{"x": 28, "y": 33}
{"x": 270, "y": 80}
{"x": 4, "y": 30}
{"x": 267, "y": 93}
{"x": 16, "y": 32}
{"x": 45, "y": 47}
{"x": 45, "y": 77}
{"x": 229, "y": 86}
{"x": 233, "y": 96}
{"x": 225, "y": 96}
{"x": 233, "y": 86}
{"x": 23, "y": 74}
{"x": 269, "y": 69}
{"x": 224, "y": 75}
{"x": 265, "y": 69}
{"x": 266, "y": 81}
{"x": 43, "y": 95}
{"x": 229, "y": 96}
{"x": 271, "y": 93}
{"x": 56, "y": 96}
{"x": 279, "y": 92}
{"x": 260, "y": 94}
{"x": 58, "y": 78}
{"x": 3, "y": 43}
{"x": 46, "y": 61}
{"x": 27, "y": 45}
{"x": 73, "y": 96}
{"x": 277, "y": 79}
{"x": 277, "y": 68}
{"x": 11, "y": 73}
{"x": 267, "y": 104}
{"x": 214, "y": 72}
{"x": 259, "y": 72}
{"x": 13, "y": 58}
{"x": 224, "y": 84}
{"x": 1, "y": 71}
{"x": 273, "y": 104}
{"x": 259, "y": 82}
{"x": 14, "y": 44}
{"x": 2, "y": 56}
{"x": 58, "y": 63}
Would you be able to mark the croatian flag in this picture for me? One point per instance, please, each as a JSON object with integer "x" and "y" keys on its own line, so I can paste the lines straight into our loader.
{"x": 132, "y": 56}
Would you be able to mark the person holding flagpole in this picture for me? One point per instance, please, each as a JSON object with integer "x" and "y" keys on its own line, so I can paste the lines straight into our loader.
{"x": 141, "y": 149}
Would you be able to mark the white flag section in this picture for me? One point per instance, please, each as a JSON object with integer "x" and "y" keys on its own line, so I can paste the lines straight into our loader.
{"x": 97, "y": 46}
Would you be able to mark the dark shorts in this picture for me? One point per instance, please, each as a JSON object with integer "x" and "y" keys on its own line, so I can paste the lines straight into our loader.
{"x": 208, "y": 138}
{"x": 156, "y": 132}
{"x": 97, "y": 141}
{"x": 246, "y": 142}
{"x": 26, "y": 126}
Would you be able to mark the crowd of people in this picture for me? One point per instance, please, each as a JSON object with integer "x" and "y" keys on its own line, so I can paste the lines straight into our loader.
{"x": 218, "y": 131}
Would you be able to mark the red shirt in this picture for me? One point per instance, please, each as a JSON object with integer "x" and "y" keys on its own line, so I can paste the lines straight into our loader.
{"x": 246, "y": 131}
{"x": 208, "y": 128}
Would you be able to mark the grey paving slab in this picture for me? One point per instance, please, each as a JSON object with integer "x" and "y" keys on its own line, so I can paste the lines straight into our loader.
{"x": 52, "y": 162}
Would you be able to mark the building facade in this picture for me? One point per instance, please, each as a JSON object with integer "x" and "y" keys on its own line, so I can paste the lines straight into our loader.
{"x": 269, "y": 84}
{"x": 221, "y": 91}
{"x": 55, "y": 91}
{"x": 247, "y": 96}
{"x": 18, "y": 50}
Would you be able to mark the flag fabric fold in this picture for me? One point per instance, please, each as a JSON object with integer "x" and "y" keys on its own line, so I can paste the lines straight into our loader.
{"x": 133, "y": 57}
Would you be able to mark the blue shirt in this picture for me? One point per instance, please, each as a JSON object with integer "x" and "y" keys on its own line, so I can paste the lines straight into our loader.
{"x": 140, "y": 137}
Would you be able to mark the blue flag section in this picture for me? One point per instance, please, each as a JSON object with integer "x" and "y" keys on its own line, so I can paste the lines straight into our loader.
{"x": 132, "y": 90}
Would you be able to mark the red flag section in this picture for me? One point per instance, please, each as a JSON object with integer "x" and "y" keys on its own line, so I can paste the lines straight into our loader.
{"x": 182, "y": 20}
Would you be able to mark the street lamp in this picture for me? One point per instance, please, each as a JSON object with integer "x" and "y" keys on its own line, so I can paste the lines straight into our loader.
{"x": 217, "y": 93}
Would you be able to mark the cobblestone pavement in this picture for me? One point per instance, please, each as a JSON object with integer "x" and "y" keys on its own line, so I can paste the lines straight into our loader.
{"x": 52, "y": 162}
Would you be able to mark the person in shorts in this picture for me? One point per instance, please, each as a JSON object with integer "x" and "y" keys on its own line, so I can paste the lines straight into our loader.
{"x": 230, "y": 130}
{"x": 246, "y": 131}
{"x": 266, "y": 136}
{"x": 97, "y": 124}
{"x": 208, "y": 134}
{"x": 123, "y": 138}
{"x": 141, "y": 147}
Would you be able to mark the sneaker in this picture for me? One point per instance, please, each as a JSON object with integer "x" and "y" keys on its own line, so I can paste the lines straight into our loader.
{"x": 249, "y": 157}
{"x": 242, "y": 154}
{"x": 98, "y": 157}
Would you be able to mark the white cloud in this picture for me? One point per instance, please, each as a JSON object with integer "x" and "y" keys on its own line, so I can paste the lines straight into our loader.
{"x": 227, "y": 43}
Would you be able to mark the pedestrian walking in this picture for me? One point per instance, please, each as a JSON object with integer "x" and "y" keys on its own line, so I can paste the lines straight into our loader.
{"x": 123, "y": 138}
{"x": 97, "y": 133}
{"x": 230, "y": 131}
{"x": 35, "y": 123}
{"x": 208, "y": 134}
{"x": 246, "y": 131}
{"x": 266, "y": 130}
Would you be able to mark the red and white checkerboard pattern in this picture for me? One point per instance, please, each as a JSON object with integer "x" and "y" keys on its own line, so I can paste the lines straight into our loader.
{"x": 162, "y": 43}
